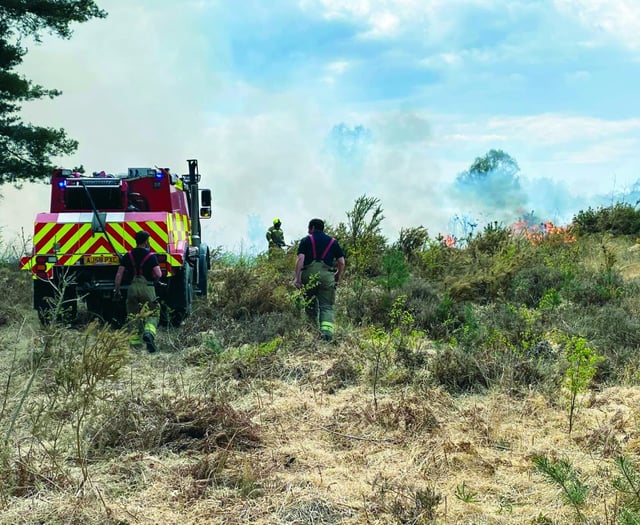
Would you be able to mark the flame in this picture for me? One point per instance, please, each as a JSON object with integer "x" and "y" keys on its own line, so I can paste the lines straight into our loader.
{"x": 525, "y": 227}
{"x": 449, "y": 241}
{"x": 537, "y": 233}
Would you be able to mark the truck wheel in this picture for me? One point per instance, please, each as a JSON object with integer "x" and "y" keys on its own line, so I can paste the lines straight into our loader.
{"x": 177, "y": 304}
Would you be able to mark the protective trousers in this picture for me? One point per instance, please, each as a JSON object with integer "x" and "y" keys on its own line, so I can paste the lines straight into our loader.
{"x": 141, "y": 299}
{"x": 320, "y": 292}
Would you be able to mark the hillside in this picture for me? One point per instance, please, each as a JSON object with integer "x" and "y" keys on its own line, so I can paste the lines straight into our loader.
{"x": 431, "y": 406}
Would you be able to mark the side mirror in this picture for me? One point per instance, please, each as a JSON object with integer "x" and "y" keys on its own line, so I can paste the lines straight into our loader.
{"x": 205, "y": 204}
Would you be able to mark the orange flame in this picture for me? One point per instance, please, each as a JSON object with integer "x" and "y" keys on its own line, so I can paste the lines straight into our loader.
{"x": 537, "y": 233}
{"x": 449, "y": 241}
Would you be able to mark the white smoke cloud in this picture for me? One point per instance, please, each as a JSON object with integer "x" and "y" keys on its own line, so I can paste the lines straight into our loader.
{"x": 158, "y": 84}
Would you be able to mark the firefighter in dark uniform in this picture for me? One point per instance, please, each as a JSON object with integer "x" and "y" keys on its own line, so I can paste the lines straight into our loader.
{"x": 140, "y": 269}
{"x": 319, "y": 268}
{"x": 275, "y": 237}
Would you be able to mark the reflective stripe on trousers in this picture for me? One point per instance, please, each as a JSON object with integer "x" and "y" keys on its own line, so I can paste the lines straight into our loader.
{"x": 141, "y": 298}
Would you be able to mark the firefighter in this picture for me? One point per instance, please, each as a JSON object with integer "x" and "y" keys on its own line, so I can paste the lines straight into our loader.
{"x": 275, "y": 237}
{"x": 141, "y": 268}
{"x": 319, "y": 267}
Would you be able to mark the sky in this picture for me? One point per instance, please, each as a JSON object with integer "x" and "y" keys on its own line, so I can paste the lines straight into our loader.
{"x": 295, "y": 108}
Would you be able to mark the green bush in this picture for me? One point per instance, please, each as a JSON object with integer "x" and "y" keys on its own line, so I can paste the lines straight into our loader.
{"x": 493, "y": 239}
{"x": 618, "y": 219}
{"x": 248, "y": 290}
{"x": 530, "y": 284}
{"x": 596, "y": 288}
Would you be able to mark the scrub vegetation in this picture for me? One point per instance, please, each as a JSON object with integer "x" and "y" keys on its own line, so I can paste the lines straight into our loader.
{"x": 490, "y": 379}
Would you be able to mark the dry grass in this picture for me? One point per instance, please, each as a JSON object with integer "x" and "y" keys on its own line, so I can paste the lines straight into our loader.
{"x": 326, "y": 456}
{"x": 215, "y": 431}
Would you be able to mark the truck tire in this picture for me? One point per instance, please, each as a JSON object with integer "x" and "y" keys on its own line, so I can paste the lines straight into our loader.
{"x": 176, "y": 306}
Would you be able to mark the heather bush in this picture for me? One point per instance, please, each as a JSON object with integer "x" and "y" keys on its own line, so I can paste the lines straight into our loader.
{"x": 437, "y": 260}
{"x": 362, "y": 301}
{"x": 596, "y": 288}
{"x": 492, "y": 240}
{"x": 531, "y": 283}
{"x": 618, "y": 219}
{"x": 460, "y": 370}
{"x": 246, "y": 290}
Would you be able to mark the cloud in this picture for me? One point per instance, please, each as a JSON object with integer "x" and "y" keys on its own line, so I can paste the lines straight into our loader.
{"x": 617, "y": 20}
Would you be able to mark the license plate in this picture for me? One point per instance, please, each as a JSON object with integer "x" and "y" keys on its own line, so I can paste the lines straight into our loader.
{"x": 101, "y": 259}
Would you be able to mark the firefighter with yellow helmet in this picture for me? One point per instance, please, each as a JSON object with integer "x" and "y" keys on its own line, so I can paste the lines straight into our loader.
{"x": 275, "y": 237}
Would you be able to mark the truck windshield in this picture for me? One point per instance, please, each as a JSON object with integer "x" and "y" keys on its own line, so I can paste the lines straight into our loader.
{"x": 104, "y": 198}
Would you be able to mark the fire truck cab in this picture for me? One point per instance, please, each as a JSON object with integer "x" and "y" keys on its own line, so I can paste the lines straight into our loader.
{"x": 92, "y": 222}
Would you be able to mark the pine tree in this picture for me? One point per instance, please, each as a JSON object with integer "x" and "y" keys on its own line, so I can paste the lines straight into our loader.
{"x": 26, "y": 149}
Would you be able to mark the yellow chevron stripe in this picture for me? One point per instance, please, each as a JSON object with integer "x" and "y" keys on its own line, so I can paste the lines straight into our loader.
{"x": 30, "y": 264}
{"x": 127, "y": 239}
{"x": 43, "y": 232}
{"x": 74, "y": 259}
{"x": 88, "y": 244}
{"x": 159, "y": 230}
{"x": 48, "y": 247}
{"x": 173, "y": 261}
{"x": 68, "y": 246}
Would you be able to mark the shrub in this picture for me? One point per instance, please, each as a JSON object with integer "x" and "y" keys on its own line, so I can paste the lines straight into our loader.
{"x": 437, "y": 260}
{"x": 596, "y": 288}
{"x": 530, "y": 284}
{"x": 395, "y": 271}
{"x": 17, "y": 294}
{"x": 457, "y": 371}
{"x": 494, "y": 238}
{"x": 412, "y": 241}
{"x": 618, "y": 219}
{"x": 361, "y": 237}
{"x": 363, "y": 302}
{"x": 422, "y": 301}
{"x": 247, "y": 290}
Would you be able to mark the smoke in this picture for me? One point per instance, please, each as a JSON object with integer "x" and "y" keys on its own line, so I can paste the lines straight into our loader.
{"x": 297, "y": 135}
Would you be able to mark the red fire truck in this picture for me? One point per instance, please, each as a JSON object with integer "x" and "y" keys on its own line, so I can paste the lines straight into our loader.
{"x": 93, "y": 221}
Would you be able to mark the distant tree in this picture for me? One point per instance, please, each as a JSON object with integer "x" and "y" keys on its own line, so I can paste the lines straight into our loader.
{"x": 26, "y": 149}
{"x": 494, "y": 160}
{"x": 493, "y": 181}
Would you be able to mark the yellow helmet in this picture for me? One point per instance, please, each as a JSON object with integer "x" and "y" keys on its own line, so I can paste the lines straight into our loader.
{"x": 276, "y": 221}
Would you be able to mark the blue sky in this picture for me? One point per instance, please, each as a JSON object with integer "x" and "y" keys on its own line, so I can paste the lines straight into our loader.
{"x": 296, "y": 108}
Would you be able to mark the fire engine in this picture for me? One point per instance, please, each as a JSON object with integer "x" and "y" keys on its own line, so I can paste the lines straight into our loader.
{"x": 92, "y": 222}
